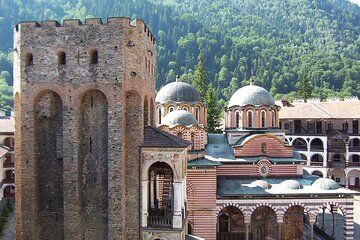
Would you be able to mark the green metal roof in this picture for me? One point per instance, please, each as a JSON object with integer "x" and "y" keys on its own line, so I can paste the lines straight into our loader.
{"x": 203, "y": 162}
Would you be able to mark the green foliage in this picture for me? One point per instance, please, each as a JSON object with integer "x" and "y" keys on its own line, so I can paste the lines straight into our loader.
{"x": 213, "y": 110}
{"x": 274, "y": 40}
{"x": 200, "y": 76}
{"x": 305, "y": 88}
{"x": 7, "y": 209}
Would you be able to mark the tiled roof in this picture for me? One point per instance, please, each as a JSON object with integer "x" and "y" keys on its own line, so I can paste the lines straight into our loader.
{"x": 154, "y": 137}
{"x": 317, "y": 110}
{"x": 7, "y": 125}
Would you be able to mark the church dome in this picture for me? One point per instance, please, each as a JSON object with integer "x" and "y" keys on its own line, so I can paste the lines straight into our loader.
{"x": 326, "y": 184}
{"x": 177, "y": 92}
{"x": 179, "y": 117}
{"x": 291, "y": 184}
{"x": 260, "y": 183}
{"x": 251, "y": 95}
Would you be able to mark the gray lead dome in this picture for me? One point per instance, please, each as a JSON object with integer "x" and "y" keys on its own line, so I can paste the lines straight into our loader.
{"x": 177, "y": 92}
{"x": 251, "y": 95}
{"x": 179, "y": 117}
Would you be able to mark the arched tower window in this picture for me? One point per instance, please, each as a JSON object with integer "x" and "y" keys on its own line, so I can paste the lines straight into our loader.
{"x": 197, "y": 114}
{"x": 263, "y": 119}
{"x": 29, "y": 59}
{"x": 237, "y": 114}
{"x": 192, "y": 140}
{"x": 185, "y": 108}
{"x": 171, "y": 109}
{"x": 159, "y": 113}
{"x": 263, "y": 148}
{"x": 93, "y": 56}
{"x": 273, "y": 119}
{"x": 250, "y": 119}
{"x": 61, "y": 58}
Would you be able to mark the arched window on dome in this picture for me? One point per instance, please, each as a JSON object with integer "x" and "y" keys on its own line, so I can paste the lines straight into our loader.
{"x": 159, "y": 117}
{"x": 171, "y": 108}
{"x": 263, "y": 119}
{"x": 273, "y": 119}
{"x": 250, "y": 119}
{"x": 185, "y": 108}
{"x": 197, "y": 113}
{"x": 237, "y": 116}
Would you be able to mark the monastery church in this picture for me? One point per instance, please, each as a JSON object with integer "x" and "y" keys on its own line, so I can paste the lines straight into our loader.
{"x": 99, "y": 155}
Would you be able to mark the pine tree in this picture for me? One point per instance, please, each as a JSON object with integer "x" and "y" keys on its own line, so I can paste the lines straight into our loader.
{"x": 213, "y": 111}
{"x": 200, "y": 76}
{"x": 305, "y": 88}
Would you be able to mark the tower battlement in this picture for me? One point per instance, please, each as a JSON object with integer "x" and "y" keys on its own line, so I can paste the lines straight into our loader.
{"x": 113, "y": 21}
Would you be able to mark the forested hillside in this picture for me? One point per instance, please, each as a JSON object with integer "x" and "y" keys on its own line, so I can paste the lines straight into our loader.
{"x": 276, "y": 41}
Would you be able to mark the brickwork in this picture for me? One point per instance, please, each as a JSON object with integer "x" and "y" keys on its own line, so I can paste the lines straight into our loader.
{"x": 273, "y": 147}
{"x": 71, "y": 84}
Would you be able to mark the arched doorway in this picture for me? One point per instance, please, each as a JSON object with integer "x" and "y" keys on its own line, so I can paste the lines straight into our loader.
{"x": 293, "y": 226}
{"x": 161, "y": 195}
{"x": 231, "y": 224}
{"x": 264, "y": 224}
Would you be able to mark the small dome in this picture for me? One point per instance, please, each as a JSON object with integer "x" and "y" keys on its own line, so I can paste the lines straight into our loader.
{"x": 179, "y": 117}
{"x": 251, "y": 95}
{"x": 326, "y": 184}
{"x": 291, "y": 184}
{"x": 177, "y": 92}
{"x": 260, "y": 183}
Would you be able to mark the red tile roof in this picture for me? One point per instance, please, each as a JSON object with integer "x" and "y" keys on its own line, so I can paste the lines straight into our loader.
{"x": 154, "y": 137}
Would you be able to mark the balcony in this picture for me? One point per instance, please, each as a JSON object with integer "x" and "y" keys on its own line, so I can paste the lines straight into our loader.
{"x": 336, "y": 164}
{"x": 316, "y": 164}
{"x": 8, "y": 180}
{"x": 354, "y": 164}
{"x": 160, "y": 222}
{"x": 8, "y": 164}
{"x": 354, "y": 149}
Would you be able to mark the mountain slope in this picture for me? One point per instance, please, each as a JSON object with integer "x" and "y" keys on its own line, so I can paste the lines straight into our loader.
{"x": 277, "y": 41}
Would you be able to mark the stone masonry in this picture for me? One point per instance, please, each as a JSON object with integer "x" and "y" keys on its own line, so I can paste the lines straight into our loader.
{"x": 80, "y": 93}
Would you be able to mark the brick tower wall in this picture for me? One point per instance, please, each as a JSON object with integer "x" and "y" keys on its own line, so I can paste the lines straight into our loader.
{"x": 76, "y": 144}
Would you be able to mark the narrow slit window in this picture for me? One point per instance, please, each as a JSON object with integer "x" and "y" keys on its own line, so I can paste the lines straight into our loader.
{"x": 93, "y": 58}
{"x": 61, "y": 58}
{"x": 29, "y": 59}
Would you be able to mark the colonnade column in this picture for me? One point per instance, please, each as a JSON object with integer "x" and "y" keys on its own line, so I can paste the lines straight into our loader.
{"x": 177, "y": 218}
{"x": 347, "y": 154}
{"x": 334, "y": 212}
{"x": 311, "y": 223}
{"x": 279, "y": 229}
{"x": 247, "y": 226}
{"x": 325, "y": 163}
{"x": 144, "y": 191}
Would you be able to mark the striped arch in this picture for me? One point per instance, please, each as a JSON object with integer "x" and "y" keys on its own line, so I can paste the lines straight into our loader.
{"x": 293, "y": 204}
{"x": 325, "y": 205}
{"x": 41, "y": 88}
{"x": 230, "y": 205}
{"x": 298, "y": 204}
{"x": 252, "y": 209}
{"x": 189, "y": 188}
{"x": 321, "y": 154}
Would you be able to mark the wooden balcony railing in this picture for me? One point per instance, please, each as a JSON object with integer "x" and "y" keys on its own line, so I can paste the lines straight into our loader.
{"x": 8, "y": 180}
{"x": 354, "y": 164}
{"x": 336, "y": 164}
{"x": 318, "y": 164}
{"x": 161, "y": 222}
{"x": 8, "y": 164}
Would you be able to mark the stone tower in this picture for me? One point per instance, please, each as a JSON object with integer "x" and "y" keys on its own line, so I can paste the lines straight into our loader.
{"x": 83, "y": 94}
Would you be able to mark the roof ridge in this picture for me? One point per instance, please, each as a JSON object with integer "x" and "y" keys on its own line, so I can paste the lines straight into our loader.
{"x": 322, "y": 110}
